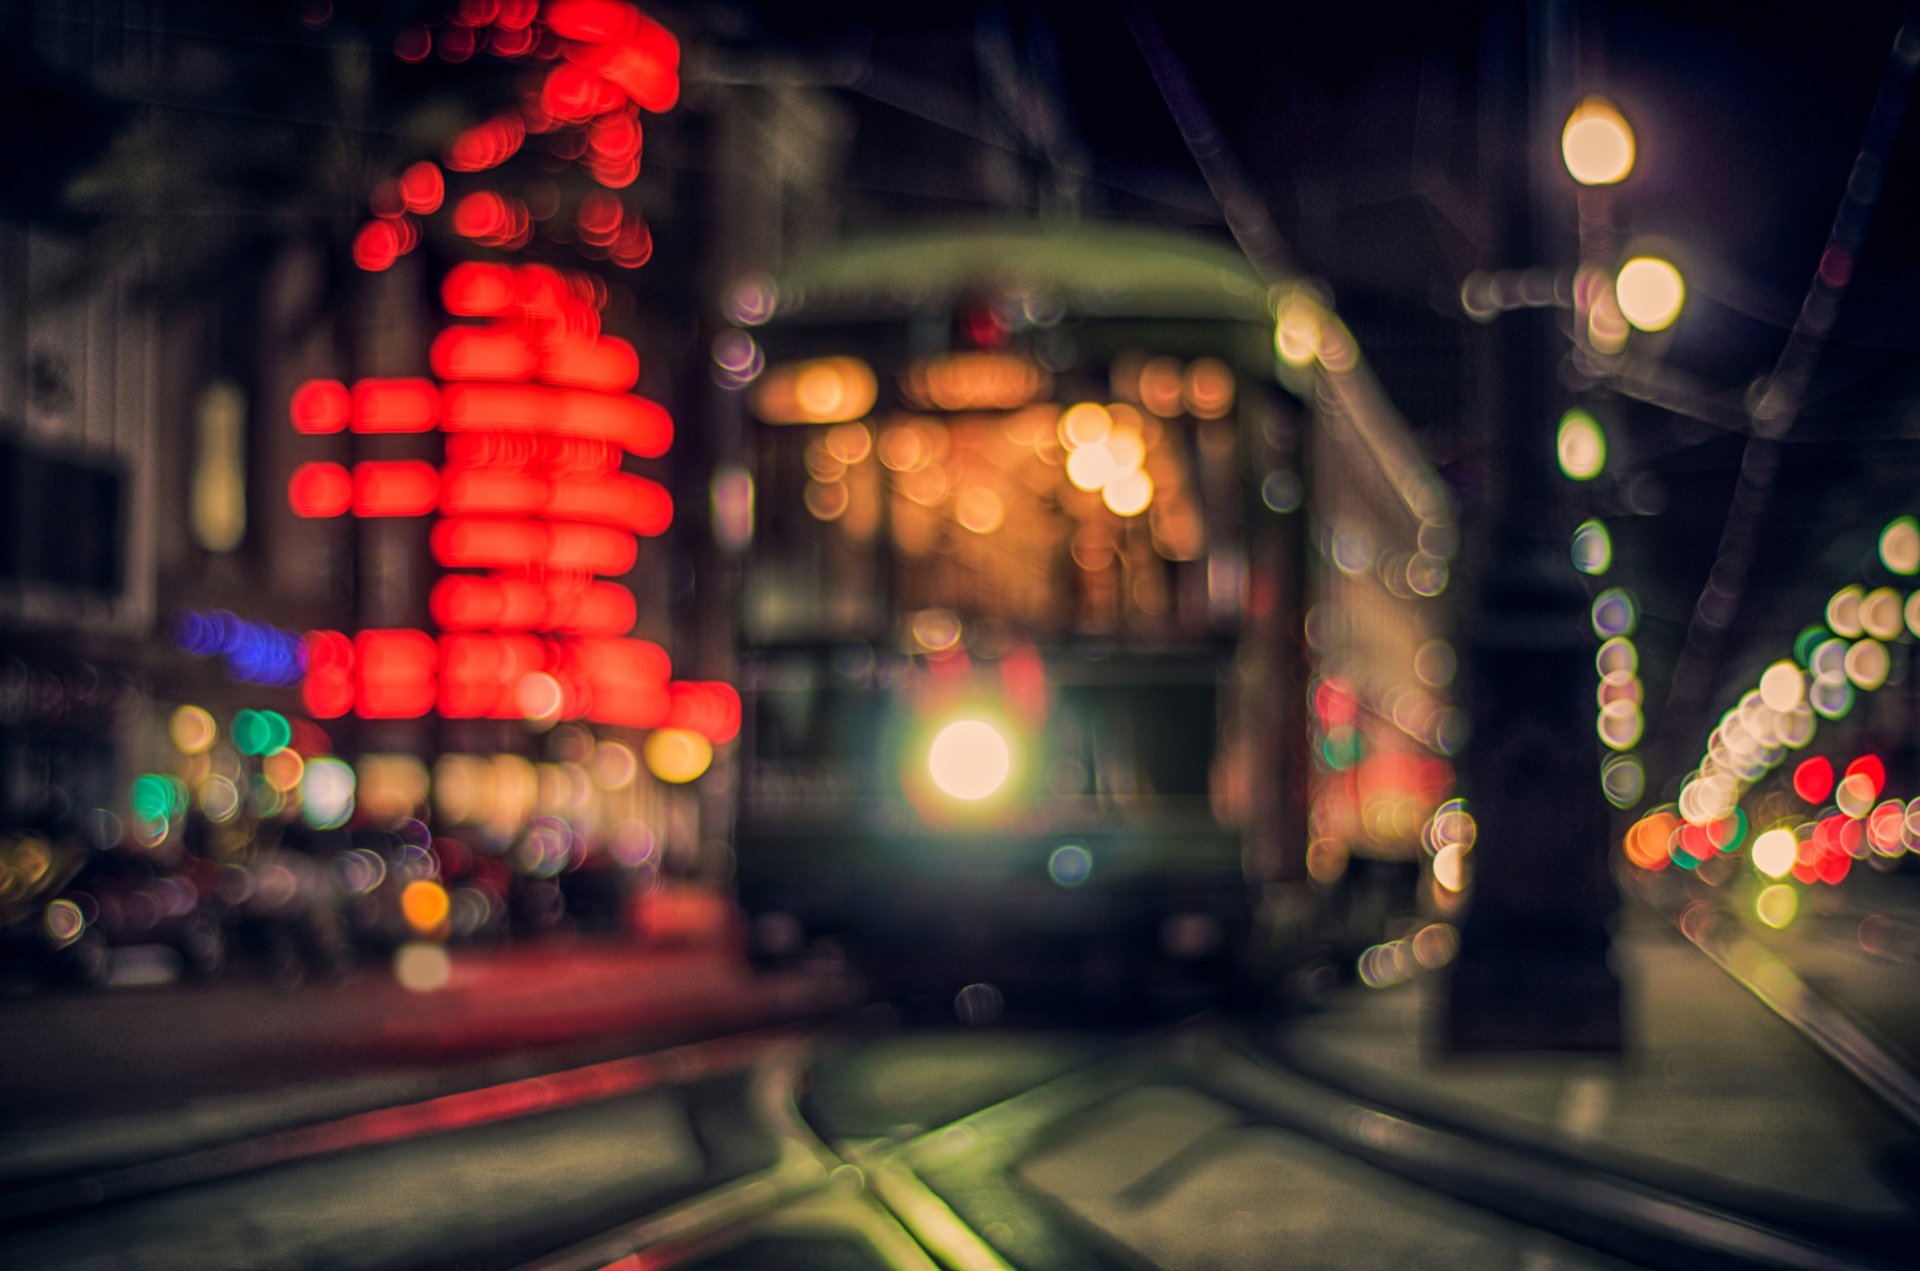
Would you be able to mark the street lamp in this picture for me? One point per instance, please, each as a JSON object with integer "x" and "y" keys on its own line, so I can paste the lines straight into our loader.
{"x": 1650, "y": 292}
{"x": 1597, "y": 144}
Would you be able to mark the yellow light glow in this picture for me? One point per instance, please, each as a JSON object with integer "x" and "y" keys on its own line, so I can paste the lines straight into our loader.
{"x": 1868, "y": 664}
{"x": 1090, "y": 467}
{"x": 1208, "y": 388}
{"x": 614, "y": 766}
{"x": 1880, "y": 613}
{"x": 849, "y": 443}
{"x": 1900, "y": 545}
{"x": 970, "y": 760}
{"x": 424, "y": 903}
{"x": 979, "y": 509}
{"x": 1843, "y": 611}
{"x": 1773, "y": 853}
{"x": 1776, "y": 905}
{"x": 392, "y": 786}
{"x": 1087, "y": 424}
{"x": 1296, "y": 335}
{"x": 1596, "y": 144}
{"x": 283, "y": 769}
{"x": 1160, "y": 386}
{"x": 825, "y": 391}
{"x": 540, "y": 697}
{"x": 1129, "y": 495}
{"x": 1128, "y": 449}
{"x": 677, "y": 755}
{"x": 1582, "y": 446}
{"x": 193, "y": 730}
{"x": 1783, "y": 687}
{"x": 421, "y": 967}
{"x": 1650, "y": 292}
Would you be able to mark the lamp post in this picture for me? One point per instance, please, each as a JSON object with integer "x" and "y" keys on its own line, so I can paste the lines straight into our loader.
{"x": 1533, "y": 971}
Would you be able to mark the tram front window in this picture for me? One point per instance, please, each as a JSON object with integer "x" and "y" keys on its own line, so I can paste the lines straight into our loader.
{"x": 1069, "y": 566}
{"x": 1041, "y": 524}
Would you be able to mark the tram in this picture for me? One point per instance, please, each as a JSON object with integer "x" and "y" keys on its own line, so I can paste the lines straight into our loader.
{"x": 1089, "y": 590}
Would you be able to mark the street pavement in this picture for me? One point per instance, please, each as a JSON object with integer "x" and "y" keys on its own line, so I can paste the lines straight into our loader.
{"x": 1334, "y": 1139}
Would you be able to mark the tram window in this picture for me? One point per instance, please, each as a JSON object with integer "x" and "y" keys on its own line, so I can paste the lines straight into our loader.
{"x": 1006, "y": 517}
{"x": 1133, "y": 741}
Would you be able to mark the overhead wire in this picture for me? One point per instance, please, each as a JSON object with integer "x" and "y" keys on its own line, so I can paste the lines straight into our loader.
{"x": 1776, "y": 404}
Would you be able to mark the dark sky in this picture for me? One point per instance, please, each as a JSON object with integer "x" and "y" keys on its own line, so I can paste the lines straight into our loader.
{"x": 1361, "y": 127}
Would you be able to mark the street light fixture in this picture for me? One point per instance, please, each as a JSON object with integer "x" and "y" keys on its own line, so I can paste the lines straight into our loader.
{"x": 1650, "y": 292}
{"x": 1597, "y": 144}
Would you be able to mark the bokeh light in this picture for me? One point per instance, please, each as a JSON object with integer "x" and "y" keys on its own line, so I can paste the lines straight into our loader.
{"x": 1900, "y": 546}
{"x": 326, "y": 793}
{"x": 1773, "y": 852}
{"x": 1614, "y": 613}
{"x": 1592, "y": 548}
{"x": 424, "y": 904}
{"x": 1777, "y": 905}
{"x": 1813, "y": 779}
{"x": 1582, "y": 446}
{"x": 1070, "y": 864}
{"x": 676, "y": 755}
{"x": 970, "y": 759}
{"x": 421, "y": 967}
{"x": 1650, "y": 292}
{"x": 1597, "y": 144}
{"x": 1783, "y": 688}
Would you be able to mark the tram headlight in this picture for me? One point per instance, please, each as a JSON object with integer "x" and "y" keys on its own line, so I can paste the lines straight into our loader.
{"x": 970, "y": 760}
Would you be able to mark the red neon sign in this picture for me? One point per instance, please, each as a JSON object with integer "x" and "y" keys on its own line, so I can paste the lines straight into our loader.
{"x": 533, "y": 406}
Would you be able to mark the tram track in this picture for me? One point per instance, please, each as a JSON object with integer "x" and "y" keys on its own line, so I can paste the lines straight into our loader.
{"x": 68, "y": 1192}
{"x": 1849, "y": 1042}
{"x": 895, "y": 1195}
{"x": 881, "y": 1190}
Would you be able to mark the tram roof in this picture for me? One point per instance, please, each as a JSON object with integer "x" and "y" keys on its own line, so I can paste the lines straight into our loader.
{"x": 1090, "y": 267}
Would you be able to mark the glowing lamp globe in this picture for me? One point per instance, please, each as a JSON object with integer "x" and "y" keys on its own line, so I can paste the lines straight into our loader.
{"x": 1650, "y": 292}
{"x": 970, "y": 760}
{"x": 1597, "y": 144}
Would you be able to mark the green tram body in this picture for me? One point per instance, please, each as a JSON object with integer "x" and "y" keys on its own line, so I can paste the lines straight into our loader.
{"x": 923, "y": 554}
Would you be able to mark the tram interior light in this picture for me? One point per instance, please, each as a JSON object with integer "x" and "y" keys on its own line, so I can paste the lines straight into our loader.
{"x": 828, "y": 390}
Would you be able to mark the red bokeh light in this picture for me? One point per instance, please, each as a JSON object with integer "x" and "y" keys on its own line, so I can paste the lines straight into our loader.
{"x": 536, "y": 408}
{"x": 615, "y": 138}
{"x": 376, "y": 246}
{"x": 707, "y": 707}
{"x": 484, "y": 353}
{"x": 607, "y": 365}
{"x": 632, "y": 423}
{"x": 328, "y": 690}
{"x": 422, "y": 188}
{"x": 413, "y": 44}
{"x": 320, "y": 490}
{"x": 486, "y": 145}
{"x": 634, "y": 247}
{"x": 475, "y": 289}
{"x": 575, "y": 93}
{"x": 321, "y": 406}
{"x": 396, "y": 673}
{"x": 395, "y": 487}
{"x": 479, "y": 214}
{"x": 395, "y": 406}
{"x": 643, "y": 61}
{"x": 517, "y": 15}
{"x": 1813, "y": 779}
{"x": 1870, "y": 767}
